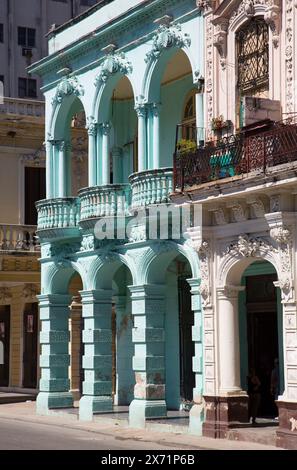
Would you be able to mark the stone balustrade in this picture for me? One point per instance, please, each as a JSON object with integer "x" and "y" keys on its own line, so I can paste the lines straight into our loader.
{"x": 102, "y": 201}
{"x": 22, "y": 107}
{"x": 58, "y": 213}
{"x": 151, "y": 187}
{"x": 14, "y": 237}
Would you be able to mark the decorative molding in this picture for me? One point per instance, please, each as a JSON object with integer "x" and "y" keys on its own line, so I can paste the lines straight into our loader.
{"x": 5, "y": 294}
{"x": 204, "y": 254}
{"x": 281, "y": 234}
{"x": 115, "y": 62}
{"x": 141, "y": 109}
{"x": 219, "y": 215}
{"x": 138, "y": 233}
{"x": 209, "y": 29}
{"x": 247, "y": 247}
{"x": 289, "y": 50}
{"x": 220, "y": 39}
{"x": 238, "y": 211}
{"x": 67, "y": 86}
{"x": 166, "y": 37}
{"x": 257, "y": 206}
{"x": 30, "y": 291}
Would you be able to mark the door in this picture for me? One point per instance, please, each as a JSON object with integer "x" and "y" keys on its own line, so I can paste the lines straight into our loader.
{"x": 262, "y": 331}
{"x": 30, "y": 345}
{"x": 4, "y": 345}
{"x": 187, "y": 351}
{"x": 34, "y": 191}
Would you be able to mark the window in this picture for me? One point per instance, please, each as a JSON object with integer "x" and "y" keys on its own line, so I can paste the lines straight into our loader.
{"x": 26, "y": 37}
{"x": 253, "y": 57}
{"x": 34, "y": 191}
{"x": 27, "y": 88}
{"x": 1, "y": 33}
{"x": 189, "y": 117}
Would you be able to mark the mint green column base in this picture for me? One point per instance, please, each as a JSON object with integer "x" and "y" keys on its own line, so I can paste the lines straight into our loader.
{"x": 140, "y": 410}
{"x": 88, "y": 405}
{"x": 196, "y": 419}
{"x": 47, "y": 401}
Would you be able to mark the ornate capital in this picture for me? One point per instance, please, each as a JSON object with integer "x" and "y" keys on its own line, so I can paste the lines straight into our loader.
{"x": 67, "y": 86}
{"x": 156, "y": 107}
{"x": 220, "y": 38}
{"x": 238, "y": 211}
{"x": 91, "y": 125}
{"x": 272, "y": 17}
{"x": 229, "y": 292}
{"x": 105, "y": 127}
{"x": 141, "y": 109}
{"x": 30, "y": 291}
{"x": 166, "y": 37}
{"x": 5, "y": 294}
{"x": 114, "y": 62}
{"x": 281, "y": 234}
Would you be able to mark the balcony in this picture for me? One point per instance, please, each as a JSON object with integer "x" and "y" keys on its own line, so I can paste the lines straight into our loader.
{"x": 15, "y": 237}
{"x": 58, "y": 214}
{"x": 151, "y": 187}
{"x": 254, "y": 151}
{"x": 104, "y": 201}
{"x": 21, "y": 107}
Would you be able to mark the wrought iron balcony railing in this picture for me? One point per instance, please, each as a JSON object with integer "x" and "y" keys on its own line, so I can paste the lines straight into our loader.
{"x": 14, "y": 237}
{"x": 102, "y": 201}
{"x": 240, "y": 154}
{"x": 58, "y": 213}
{"x": 151, "y": 187}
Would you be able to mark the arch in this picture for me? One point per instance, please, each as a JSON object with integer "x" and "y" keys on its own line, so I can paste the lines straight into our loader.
{"x": 102, "y": 271}
{"x": 62, "y": 114}
{"x": 56, "y": 277}
{"x": 159, "y": 258}
{"x": 103, "y": 95}
{"x": 155, "y": 70}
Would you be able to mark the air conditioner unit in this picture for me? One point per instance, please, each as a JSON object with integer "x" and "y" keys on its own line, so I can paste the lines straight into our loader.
{"x": 27, "y": 52}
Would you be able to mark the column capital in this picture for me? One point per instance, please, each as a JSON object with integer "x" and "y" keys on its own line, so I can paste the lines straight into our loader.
{"x": 141, "y": 109}
{"x": 229, "y": 292}
{"x": 156, "y": 108}
{"x": 54, "y": 299}
{"x": 91, "y": 125}
{"x": 106, "y": 128}
{"x": 147, "y": 290}
{"x": 99, "y": 295}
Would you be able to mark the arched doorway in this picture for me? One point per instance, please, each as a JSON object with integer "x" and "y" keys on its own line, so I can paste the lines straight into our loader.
{"x": 261, "y": 335}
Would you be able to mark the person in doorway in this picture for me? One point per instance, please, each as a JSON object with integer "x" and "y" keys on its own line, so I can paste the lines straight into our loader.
{"x": 254, "y": 393}
{"x": 274, "y": 383}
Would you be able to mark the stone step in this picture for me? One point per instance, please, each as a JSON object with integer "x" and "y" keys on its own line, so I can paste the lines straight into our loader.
{"x": 11, "y": 397}
{"x": 262, "y": 435}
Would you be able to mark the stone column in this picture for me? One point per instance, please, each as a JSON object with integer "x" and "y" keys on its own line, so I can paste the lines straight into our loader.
{"x": 62, "y": 187}
{"x": 105, "y": 153}
{"x": 49, "y": 169}
{"x": 197, "y": 410}
{"x": 117, "y": 168}
{"x": 141, "y": 110}
{"x": 97, "y": 359}
{"x": 54, "y": 384}
{"x": 148, "y": 308}
{"x": 92, "y": 160}
{"x": 124, "y": 353}
{"x": 156, "y": 136}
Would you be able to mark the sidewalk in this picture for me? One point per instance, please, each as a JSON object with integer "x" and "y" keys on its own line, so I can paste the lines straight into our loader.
{"x": 25, "y": 412}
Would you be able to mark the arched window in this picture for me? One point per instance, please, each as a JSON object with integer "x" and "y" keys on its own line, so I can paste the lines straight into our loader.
{"x": 253, "y": 58}
{"x": 189, "y": 117}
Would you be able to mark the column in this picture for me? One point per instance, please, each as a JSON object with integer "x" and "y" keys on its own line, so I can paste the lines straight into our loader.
{"x": 229, "y": 352}
{"x": 141, "y": 113}
{"x": 156, "y": 136}
{"x": 148, "y": 307}
{"x": 197, "y": 410}
{"x": 200, "y": 117}
{"x": 92, "y": 160}
{"x": 117, "y": 167}
{"x": 49, "y": 170}
{"x": 105, "y": 128}
{"x": 75, "y": 347}
{"x": 54, "y": 384}
{"x": 62, "y": 169}
{"x": 97, "y": 359}
{"x": 124, "y": 352}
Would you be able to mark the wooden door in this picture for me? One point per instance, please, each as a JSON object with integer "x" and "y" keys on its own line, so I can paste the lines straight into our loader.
{"x": 30, "y": 345}
{"x": 4, "y": 345}
{"x": 34, "y": 191}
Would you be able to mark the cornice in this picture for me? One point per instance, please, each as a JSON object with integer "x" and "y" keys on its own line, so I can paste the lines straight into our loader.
{"x": 109, "y": 33}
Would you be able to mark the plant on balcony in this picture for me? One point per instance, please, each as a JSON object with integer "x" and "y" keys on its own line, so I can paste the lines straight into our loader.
{"x": 218, "y": 123}
{"x": 186, "y": 146}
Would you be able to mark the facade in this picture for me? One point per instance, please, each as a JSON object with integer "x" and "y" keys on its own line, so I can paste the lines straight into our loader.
{"x": 22, "y": 180}
{"x": 244, "y": 178}
{"x": 121, "y": 65}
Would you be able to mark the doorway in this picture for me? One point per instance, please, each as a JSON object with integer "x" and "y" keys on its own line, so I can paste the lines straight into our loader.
{"x": 262, "y": 335}
{"x": 186, "y": 321}
{"x": 4, "y": 344}
{"x": 30, "y": 334}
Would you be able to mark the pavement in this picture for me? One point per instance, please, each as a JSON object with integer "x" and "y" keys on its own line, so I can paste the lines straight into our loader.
{"x": 21, "y": 428}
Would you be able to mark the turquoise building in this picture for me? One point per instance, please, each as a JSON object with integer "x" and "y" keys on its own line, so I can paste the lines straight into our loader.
{"x": 132, "y": 71}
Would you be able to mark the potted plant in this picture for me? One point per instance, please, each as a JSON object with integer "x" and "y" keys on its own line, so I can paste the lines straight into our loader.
{"x": 218, "y": 123}
{"x": 186, "y": 146}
